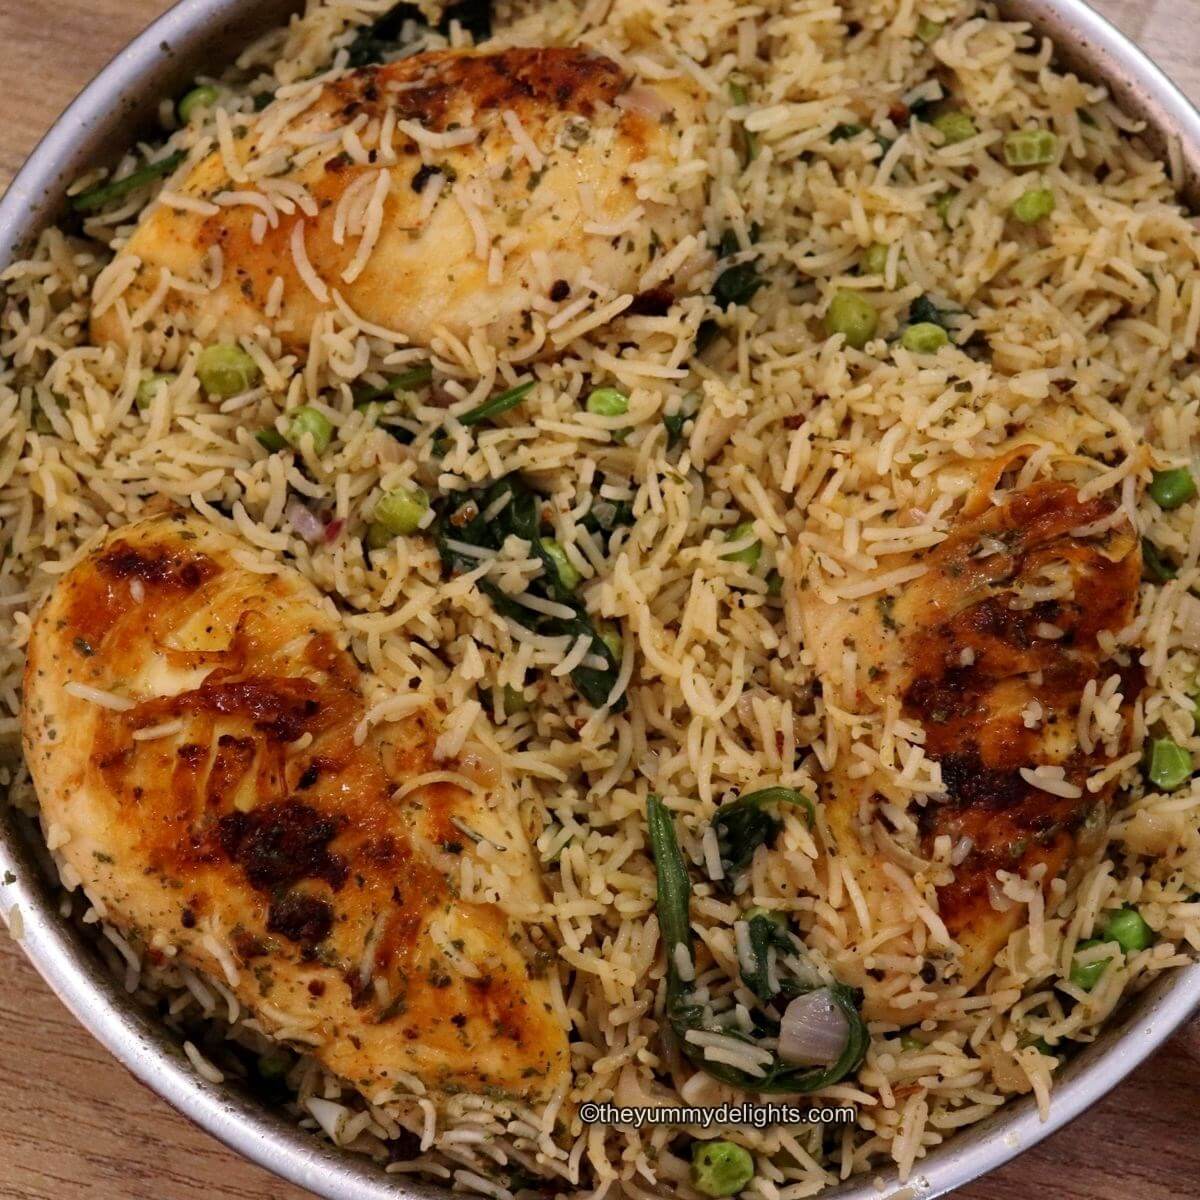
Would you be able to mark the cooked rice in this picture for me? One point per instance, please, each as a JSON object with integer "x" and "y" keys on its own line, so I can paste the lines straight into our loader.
{"x": 1077, "y": 338}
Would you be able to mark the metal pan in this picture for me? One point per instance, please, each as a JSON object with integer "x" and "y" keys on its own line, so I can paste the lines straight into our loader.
{"x": 106, "y": 118}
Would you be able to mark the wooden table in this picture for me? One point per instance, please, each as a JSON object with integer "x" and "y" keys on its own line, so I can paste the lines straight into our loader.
{"x": 74, "y": 1124}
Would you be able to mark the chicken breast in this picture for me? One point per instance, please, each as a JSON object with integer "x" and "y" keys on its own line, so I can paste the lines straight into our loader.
{"x": 450, "y": 191}
{"x": 996, "y": 677}
{"x": 195, "y": 732}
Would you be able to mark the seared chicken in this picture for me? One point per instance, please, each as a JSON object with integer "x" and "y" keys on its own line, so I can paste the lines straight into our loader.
{"x": 195, "y": 732}
{"x": 510, "y": 184}
{"x": 995, "y": 677}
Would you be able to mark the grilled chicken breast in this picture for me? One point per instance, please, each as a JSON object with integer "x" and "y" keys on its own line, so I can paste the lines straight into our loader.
{"x": 194, "y": 730}
{"x": 995, "y": 678}
{"x": 504, "y": 182}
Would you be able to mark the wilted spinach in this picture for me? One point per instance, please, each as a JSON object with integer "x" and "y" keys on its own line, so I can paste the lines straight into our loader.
{"x": 684, "y": 1014}
{"x": 745, "y": 824}
{"x": 462, "y": 518}
{"x": 376, "y": 41}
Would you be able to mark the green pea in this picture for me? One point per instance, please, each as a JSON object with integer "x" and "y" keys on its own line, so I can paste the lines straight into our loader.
{"x": 1030, "y": 148}
{"x": 721, "y": 1168}
{"x": 514, "y": 701}
{"x": 151, "y": 383}
{"x": 774, "y": 583}
{"x": 270, "y": 439}
{"x": 226, "y": 370}
{"x": 1127, "y": 928}
{"x": 954, "y": 126}
{"x": 749, "y": 555}
{"x": 929, "y": 31}
{"x": 204, "y": 96}
{"x": 1170, "y": 489}
{"x": 379, "y": 535}
{"x": 853, "y": 316}
{"x": 1033, "y": 206}
{"x": 607, "y": 402}
{"x": 1087, "y": 975}
{"x": 314, "y": 423}
{"x": 908, "y": 1042}
{"x": 942, "y": 206}
{"x": 874, "y": 259}
{"x": 1168, "y": 766}
{"x": 401, "y": 511}
{"x": 924, "y": 338}
{"x": 568, "y": 575}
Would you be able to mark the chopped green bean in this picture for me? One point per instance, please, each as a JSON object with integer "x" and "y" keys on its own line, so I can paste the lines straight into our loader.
{"x": 1168, "y": 765}
{"x": 1030, "y": 148}
{"x": 515, "y": 701}
{"x": 954, "y": 126}
{"x": 747, "y": 142}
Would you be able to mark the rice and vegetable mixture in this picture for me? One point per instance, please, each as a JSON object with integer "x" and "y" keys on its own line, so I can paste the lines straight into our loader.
{"x": 923, "y": 247}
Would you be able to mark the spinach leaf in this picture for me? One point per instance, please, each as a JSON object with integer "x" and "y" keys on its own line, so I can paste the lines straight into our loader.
{"x": 923, "y": 310}
{"x": 376, "y": 41}
{"x": 737, "y": 284}
{"x": 465, "y": 523}
{"x": 684, "y": 1014}
{"x": 744, "y": 824}
{"x": 414, "y": 377}
{"x": 765, "y": 933}
{"x": 495, "y": 405}
{"x": 102, "y": 194}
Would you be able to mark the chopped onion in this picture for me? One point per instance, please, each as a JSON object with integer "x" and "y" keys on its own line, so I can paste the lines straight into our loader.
{"x": 304, "y": 522}
{"x": 333, "y": 529}
{"x": 814, "y": 1030}
{"x": 1187, "y": 617}
{"x": 644, "y": 100}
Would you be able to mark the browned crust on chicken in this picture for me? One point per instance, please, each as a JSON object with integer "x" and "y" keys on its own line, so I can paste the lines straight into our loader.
{"x": 262, "y": 816}
{"x": 972, "y": 712}
{"x": 424, "y": 272}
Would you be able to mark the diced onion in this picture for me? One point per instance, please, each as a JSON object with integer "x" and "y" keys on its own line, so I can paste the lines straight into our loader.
{"x": 644, "y": 100}
{"x": 814, "y": 1030}
{"x": 304, "y": 522}
{"x": 1188, "y": 619}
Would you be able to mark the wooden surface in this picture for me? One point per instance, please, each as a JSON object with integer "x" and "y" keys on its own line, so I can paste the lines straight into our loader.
{"x": 74, "y": 1124}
